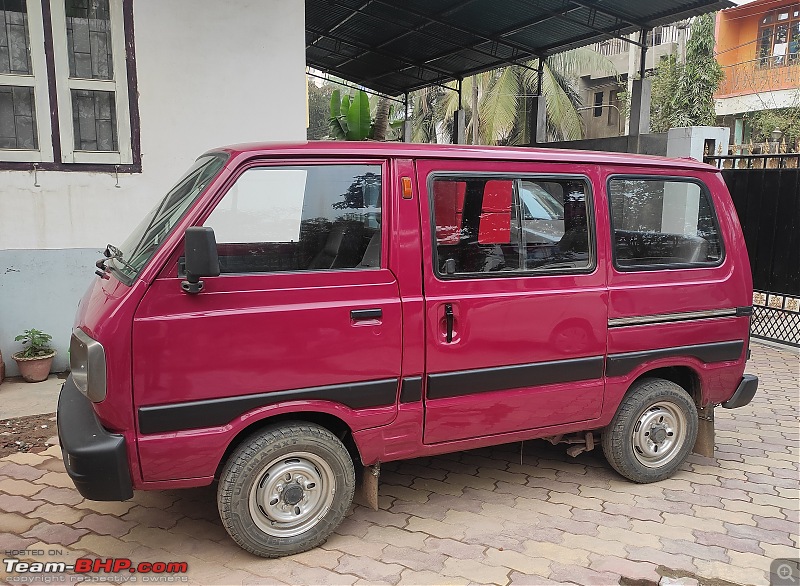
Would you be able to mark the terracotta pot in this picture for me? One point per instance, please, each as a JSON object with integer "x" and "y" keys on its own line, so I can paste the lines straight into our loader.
{"x": 36, "y": 368}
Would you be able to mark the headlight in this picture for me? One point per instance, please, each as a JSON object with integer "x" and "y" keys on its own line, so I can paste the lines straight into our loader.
{"x": 87, "y": 362}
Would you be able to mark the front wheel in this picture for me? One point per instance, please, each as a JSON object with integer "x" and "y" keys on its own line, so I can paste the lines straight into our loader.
{"x": 652, "y": 432}
{"x": 285, "y": 489}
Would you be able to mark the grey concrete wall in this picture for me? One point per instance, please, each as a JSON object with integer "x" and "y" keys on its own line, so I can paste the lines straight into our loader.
{"x": 41, "y": 289}
{"x": 644, "y": 144}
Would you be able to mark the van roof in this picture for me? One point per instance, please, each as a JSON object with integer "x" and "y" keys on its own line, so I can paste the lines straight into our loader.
{"x": 417, "y": 150}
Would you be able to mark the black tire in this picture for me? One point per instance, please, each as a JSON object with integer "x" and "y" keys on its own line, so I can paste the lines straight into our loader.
{"x": 285, "y": 489}
{"x": 653, "y": 408}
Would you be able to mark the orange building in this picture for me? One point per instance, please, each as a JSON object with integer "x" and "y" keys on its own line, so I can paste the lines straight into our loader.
{"x": 758, "y": 47}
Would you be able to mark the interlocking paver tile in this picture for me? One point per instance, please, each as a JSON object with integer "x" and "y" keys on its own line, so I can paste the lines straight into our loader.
{"x": 55, "y": 533}
{"x": 727, "y": 542}
{"x": 12, "y": 503}
{"x": 454, "y": 549}
{"x": 436, "y": 528}
{"x": 19, "y": 487}
{"x": 526, "y": 564}
{"x": 20, "y": 471}
{"x": 675, "y": 561}
{"x": 731, "y": 573}
{"x": 475, "y": 571}
{"x": 693, "y": 549}
{"x": 581, "y": 575}
{"x": 58, "y": 513}
{"x": 26, "y": 458}
{"x": 59, "y": 496}
{"x": 105, "y": 524}
{"x": 369, "y": 569}
{"x": 414, "y": 578}
{"x": 10, "y": 542}
{"x": 414, "y": 558}
{"x": 151, "y": 517}
{"x": 354, "y": 545}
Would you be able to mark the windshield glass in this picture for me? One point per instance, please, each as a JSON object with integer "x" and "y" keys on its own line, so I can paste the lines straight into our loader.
{"x": 145, "y": 239}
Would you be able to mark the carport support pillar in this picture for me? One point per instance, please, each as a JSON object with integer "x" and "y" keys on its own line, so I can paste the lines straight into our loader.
{"x": 641, "y": 90}
{"x": 640, "y": 107}
{"x": 538, "y": 127}
{"x": 459, "y": 134}
{"x": 406, "y": 122}
{"x": 704, "y": 445}
{"x": 538, "y": 119}
{"x": 459, "y": 127}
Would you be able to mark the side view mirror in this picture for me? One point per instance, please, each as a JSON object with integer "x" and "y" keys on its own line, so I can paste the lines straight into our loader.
{"x": 201, "y": 257}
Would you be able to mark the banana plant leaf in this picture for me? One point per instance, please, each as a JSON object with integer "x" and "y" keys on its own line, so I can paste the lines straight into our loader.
{"x": 358, "y": 117}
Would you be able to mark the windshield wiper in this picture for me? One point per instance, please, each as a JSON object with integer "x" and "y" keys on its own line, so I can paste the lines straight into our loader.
{"x": 111, "y": 253}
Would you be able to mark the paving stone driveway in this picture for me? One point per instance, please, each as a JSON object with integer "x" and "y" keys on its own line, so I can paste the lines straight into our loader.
{"x": 493, "y": 516}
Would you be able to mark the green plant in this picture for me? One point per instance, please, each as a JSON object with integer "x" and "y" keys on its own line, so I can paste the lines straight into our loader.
{"x": 37, "y": 342}
{"x": 683, "y": 94}
{"x": 350, "y": 119}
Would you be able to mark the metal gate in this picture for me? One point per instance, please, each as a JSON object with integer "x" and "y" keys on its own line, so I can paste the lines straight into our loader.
{"x": 766, "y": 192}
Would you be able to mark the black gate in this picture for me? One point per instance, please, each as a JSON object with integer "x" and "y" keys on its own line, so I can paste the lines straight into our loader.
{"x": 766, "y": 192}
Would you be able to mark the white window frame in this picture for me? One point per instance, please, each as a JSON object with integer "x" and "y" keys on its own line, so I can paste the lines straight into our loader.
{"x": 37, "y": 79}
{"x": 118, "y": 85}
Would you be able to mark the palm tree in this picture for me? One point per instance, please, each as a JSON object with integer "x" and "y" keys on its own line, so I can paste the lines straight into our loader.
{"x": 502, "y": 97}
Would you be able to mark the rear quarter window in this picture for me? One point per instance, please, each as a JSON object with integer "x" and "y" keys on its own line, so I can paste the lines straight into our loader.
{"x": 663, "y": 223}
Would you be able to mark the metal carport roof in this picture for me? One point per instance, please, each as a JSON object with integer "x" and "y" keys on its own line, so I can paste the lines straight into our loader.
{"x": 395, "y": 46}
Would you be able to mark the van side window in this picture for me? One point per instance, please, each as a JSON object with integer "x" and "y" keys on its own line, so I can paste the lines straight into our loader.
{"x": 661, "y": 223}
{"x": 510, "y": 225}
{"x": 300, "y": 218}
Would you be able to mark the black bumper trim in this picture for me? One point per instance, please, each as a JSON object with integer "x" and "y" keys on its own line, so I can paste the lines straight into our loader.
{"x": 744, "y": 392}
{"x": 96, "y": 460}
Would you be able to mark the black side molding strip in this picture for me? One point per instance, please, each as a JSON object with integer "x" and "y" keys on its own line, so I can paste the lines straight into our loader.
{"x": 411, "y": 391}
{"x": 484, "y": 380}
{"x": 622, "y": 364}
{"x": 215, "y": 412}
{"x": 742, "y": 311}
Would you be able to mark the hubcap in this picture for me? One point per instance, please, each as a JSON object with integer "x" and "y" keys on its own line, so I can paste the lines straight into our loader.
{"x": 291, "y": 494}
{"x": 658, "y": 435}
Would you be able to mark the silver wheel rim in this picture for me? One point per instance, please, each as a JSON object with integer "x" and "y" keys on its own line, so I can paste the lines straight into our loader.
{"x": 659, "y": 434}
{"x": 291, "y": 494}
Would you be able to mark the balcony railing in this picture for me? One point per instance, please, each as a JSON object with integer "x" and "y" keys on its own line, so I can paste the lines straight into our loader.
{"x": 760, "y": 75}
{"x": 659, "y": 36}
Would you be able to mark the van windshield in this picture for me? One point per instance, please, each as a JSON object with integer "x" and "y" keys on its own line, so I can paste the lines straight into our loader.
{"x": 145, "y": 239}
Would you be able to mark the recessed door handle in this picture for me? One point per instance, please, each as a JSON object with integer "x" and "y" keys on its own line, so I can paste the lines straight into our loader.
{"x": 449, "y": 318}
{"x": 359, "y": 314}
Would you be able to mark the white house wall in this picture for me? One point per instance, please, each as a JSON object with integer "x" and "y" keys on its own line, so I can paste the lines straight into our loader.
{"x": 209, "y": 74}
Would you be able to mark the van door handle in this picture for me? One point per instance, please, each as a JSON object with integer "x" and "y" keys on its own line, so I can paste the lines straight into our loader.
{"x": 359, "y": 314}
{"x": 448, "y": 316}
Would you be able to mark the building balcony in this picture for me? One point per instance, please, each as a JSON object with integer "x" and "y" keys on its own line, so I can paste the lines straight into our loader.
{"x": 767, "y": 74}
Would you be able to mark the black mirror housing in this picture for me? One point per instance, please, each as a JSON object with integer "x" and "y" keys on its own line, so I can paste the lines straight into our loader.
{"x": 202, "y": 260}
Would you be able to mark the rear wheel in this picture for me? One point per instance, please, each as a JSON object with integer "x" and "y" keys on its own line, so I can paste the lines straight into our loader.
{"x": 285, "y": 489}
{"x": 652, "y": 432}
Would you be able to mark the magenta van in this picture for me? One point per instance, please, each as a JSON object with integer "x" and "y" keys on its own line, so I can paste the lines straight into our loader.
{"x": 289, "y": 314}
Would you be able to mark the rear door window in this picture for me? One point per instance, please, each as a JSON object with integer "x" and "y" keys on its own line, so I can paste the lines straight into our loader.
{"x": 663, "y": 223}
{"x": 510, "y": 225}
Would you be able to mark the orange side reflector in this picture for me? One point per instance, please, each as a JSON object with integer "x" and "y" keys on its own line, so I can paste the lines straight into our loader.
{"x": 407, "y": 193}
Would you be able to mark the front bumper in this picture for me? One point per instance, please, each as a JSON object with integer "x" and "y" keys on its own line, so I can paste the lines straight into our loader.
{"x": 744, "y": 392}
{"x": 96, "y": 460}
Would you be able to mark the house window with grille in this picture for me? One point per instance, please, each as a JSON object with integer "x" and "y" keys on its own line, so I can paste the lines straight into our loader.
{"x": 88, "y": 100}
{"x": 779, "y": 37}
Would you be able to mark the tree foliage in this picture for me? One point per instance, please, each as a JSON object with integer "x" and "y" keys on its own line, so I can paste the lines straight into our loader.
{"x": 763, "y": 122}
{"x": 319, "y": 99}
{"x": 683, "y": 94}
{"x": 504, "y": 99}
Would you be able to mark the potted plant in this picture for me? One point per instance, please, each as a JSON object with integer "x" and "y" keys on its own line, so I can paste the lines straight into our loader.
{"x": 34, "y": 361}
